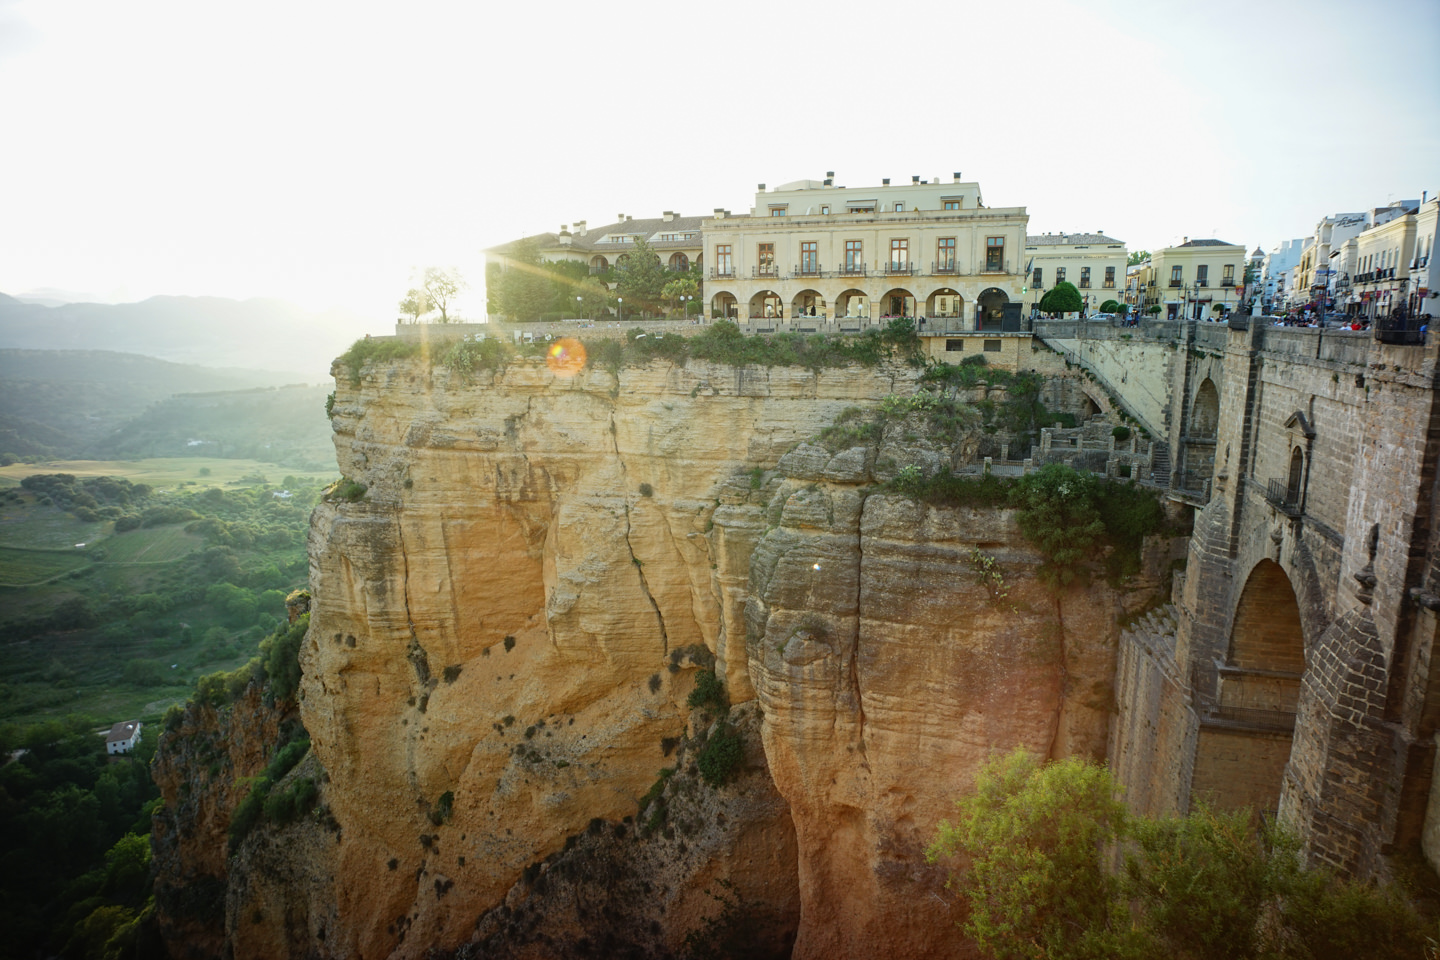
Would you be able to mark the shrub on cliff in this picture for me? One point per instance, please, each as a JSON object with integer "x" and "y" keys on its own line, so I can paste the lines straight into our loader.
{"x": 722, "y": 755}
{"x": 366, "y": 349}
{"x": 281, "y": 652}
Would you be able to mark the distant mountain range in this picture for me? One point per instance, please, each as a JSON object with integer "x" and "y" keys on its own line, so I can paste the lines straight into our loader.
{"x": 94, "y": 404}
{"x": 209, "y": 331}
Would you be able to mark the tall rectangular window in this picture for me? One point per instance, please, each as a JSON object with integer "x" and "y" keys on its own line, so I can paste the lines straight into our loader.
{"x": 994, "y": 254}
{"x": 1059, "y": 275}
{"x": 1202, "y": 275}
{"x": 1085, "y": 277}
{"x": 765, "y": 258}
{"x": 1175, "y": 275}
{"x": 809, "y": 259}
{"x": 1109, "y": 276}
{"x": 1229, "y": 278}
{"x": 945, "y": 254}
{"x": 724, "y": 266}
{"x": 899, "y": 254}
{"x": 899, "y": 208}
{"x": 854, "y": 256}
{"x": 1039, "y": 279}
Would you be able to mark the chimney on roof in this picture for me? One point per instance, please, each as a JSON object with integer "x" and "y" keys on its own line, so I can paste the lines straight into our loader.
{"x": 628, "y": 218}
{"x": 667, "y": 216}
{"x": 957, "y": 176}
{"x": 914, "y": 179}
{"x": 580, "y": 228}
{"x": 719, "y": 214}
{"x": 886, "y": 181}
{"x": 565, "y": 238}
{"x": 1184, "y": 240}
{"x": 830, "y": 174}
{"x": 619, "y": 218}
{"x": 760, "y": 187}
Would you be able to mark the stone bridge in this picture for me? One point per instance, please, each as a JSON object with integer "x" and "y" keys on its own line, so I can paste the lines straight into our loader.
{"x": 1294, "y": 674}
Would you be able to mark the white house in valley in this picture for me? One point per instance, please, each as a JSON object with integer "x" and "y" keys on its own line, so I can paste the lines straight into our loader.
{"x": 123, "y": 737}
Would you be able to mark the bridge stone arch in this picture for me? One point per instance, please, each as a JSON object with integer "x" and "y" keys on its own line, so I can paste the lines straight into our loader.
{"x": 1205, "y": 410}
{"x": 1245, "y": 736}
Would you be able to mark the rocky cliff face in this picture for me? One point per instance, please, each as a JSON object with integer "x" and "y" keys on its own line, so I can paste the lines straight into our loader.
{"x": 201, "y": 768}
{"x": 507, "y": 626}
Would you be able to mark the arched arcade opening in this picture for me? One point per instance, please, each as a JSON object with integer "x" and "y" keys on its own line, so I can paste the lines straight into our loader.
{"x": 1244, "y": 741}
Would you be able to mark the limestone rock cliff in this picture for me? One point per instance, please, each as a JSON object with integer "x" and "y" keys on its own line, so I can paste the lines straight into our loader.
{"x": 507, "y": 625}
{"x": 497, "y": 620}
{"x": 201, "y": 767}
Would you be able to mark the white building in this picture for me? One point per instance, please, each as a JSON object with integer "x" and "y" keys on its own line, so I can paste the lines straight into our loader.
{"x": 1093, "y": 262}
{"x": 123, "y": 737}
{"x": 1277, "y": 264}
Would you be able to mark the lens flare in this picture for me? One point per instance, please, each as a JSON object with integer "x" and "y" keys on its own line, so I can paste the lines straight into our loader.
{"x": 566, "y": 357}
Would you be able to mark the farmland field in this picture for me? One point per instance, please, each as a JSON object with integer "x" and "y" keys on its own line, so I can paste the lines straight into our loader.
{"x": 165, "y": 473}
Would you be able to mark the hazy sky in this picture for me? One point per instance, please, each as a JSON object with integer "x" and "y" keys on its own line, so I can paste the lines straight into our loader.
{"x": 322, "y": 152}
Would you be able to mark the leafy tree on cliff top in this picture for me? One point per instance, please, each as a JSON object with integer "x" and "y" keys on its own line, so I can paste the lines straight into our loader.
{"x": 642, "y": 278}
{"x": 1062, "y": 298}
{"x": 442, "y": 285}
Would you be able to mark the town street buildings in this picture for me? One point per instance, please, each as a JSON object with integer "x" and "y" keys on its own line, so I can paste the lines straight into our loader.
{"x": 1093, "y": 262}
{"x": 1197, "y": 280}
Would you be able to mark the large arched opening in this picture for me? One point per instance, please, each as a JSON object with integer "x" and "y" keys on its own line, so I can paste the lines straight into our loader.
{"x": 599, "y": 264}
{"x": 679, "y": 263}
{"x": 723, "y": 305}
{"x": 898, "y": 303}
{"x": 1244, "y": 743}
{"x": 853, "y": 303}
{"x": 807, "y": 303}
{"x": 767, "y": 305}
{"x": 991, "y": 309}
{"x": 945, "y": 303}
{"x": 1205, "y": 412}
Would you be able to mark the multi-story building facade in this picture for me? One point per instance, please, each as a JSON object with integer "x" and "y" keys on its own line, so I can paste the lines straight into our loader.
{"x": 1198, "y": 280}
{"x": 1273, "y": 270}
{"x": 922, "y": 249}
{"x": 1424, "y": 299}
{"x": 1093, "y": 262}
{"x": 1383, "y": 257}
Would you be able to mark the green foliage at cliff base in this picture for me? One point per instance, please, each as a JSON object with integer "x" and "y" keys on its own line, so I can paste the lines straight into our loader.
{"x": 1037, "y": 840}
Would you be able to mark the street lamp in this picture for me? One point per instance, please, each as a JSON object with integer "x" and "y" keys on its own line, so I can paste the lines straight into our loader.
{"x": 619, "y": 308}
{"x": 577, "y": 303}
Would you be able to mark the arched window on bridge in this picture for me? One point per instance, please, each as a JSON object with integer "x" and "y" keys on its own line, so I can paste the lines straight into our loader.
{"x": 1205, "y": 413}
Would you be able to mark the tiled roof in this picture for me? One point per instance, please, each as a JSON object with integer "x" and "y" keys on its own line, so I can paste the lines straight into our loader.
{"x": 594, "y": 242}
{"x": 122, "y": 731}
{"x": 1207, "y": 243}
{"x": 1055, "y": 239}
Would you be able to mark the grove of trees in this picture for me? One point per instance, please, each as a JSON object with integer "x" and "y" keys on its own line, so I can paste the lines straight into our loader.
{"x": 532, "y": 288}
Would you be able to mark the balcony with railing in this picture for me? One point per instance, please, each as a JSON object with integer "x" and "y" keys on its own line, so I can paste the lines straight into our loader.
{"x": 809, "y": 270}
{"x": 996, "y": 266}
{"x": 1202, "y": 282}
{"x": 902, "y": 267}
{"x": 1283, "y": 497}
{"x": 942, "y": 266}
{"x": 1228, "y": 282}
{"x": 852, "y": 270}
{"x": 722, "y": 273}
{"x": 1109, "y": 284}
{"x": 767, "y": 271}
{"x": 1175, "y": 284}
